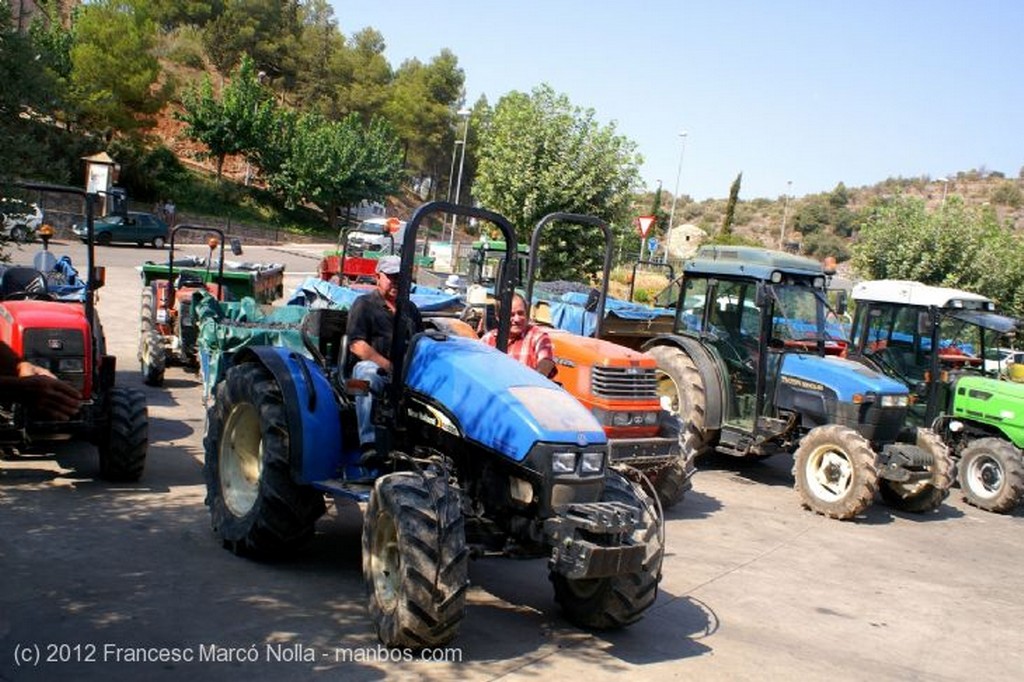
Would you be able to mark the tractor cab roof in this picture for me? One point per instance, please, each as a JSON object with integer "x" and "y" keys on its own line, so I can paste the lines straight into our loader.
{"x": 963, "y": 305}
{"x": 916, "y": 294}
{"x": 750, "y": 262}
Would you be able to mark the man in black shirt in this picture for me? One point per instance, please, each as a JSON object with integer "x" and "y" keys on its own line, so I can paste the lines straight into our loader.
{"x": 371, "y": 324}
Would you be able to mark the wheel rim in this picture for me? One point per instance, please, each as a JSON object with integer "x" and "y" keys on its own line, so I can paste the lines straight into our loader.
{"x": 18, "y": 234}
{"x": 668, "y": 393}
{"x": 985, "y": 477}
{"x": 241, "y": 459}
{"x": 386, "y": 561}
{"x": 829, "y": 473}
{"x": 158, "y": 242}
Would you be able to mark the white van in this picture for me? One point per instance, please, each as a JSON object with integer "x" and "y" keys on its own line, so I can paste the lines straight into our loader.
{"x": 373, "y": 234}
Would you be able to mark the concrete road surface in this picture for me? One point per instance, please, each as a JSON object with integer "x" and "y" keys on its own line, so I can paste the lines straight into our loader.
{"x": 126, "y": 582}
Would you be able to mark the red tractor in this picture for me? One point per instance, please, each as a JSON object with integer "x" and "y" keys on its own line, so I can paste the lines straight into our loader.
{"x": 167, "y": 333}
{"x": 65, "y": 337}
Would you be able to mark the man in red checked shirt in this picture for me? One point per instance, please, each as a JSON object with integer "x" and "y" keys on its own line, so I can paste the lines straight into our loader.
{"x": 527, "y": 343}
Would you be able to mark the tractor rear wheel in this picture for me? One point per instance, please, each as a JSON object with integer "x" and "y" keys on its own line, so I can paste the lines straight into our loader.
{"x": 682, "y": 393}
{"x": 122, "y": 449}
{"x": 256, "y": 507}
{"x": 415, "y": 559}
{"x": 152, "y": 352}
{"x": 991, "y": 474}
{"x": 835, "y": 473}
{"x": 620, "y": 600}
{"x": 922, "y": 496}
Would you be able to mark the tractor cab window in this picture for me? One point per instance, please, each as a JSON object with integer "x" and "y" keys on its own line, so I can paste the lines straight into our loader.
{"x": 894, "y": 338}
{"x": 802, "y": 318}
{"x": 691, "y": 312}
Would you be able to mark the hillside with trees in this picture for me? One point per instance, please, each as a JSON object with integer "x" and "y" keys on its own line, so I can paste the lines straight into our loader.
{"x": 266, "y": 112}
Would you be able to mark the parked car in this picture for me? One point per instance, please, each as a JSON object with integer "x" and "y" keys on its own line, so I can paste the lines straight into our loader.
{"x": 140, "y": 228}
{"x": 998, "y": 359}
{"x": 19, "y": 219}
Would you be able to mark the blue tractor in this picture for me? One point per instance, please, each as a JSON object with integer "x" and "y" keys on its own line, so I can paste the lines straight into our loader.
{"x": 754, "y": 367}
{"x": 483, "y": 455}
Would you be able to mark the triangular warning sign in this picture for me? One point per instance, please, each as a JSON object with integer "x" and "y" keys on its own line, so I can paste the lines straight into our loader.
{"x": 644, "y": 222}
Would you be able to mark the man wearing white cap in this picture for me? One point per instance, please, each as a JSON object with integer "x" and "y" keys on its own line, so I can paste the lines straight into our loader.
{"x": 371, "y": 324}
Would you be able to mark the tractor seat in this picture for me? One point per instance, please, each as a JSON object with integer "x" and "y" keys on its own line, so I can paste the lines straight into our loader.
{"x": 18, "y": 279}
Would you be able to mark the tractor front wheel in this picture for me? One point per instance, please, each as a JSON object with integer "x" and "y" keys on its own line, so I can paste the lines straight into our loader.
{"x": 256, "y": 507}
{"x": 991, "y": 474}
{"x": 922, "y": 496}
{"x": 415, "y": 560}
{"x": 122, "y": 449}
{"x": 835, "y": 473}
{"x": 617, "y": 601}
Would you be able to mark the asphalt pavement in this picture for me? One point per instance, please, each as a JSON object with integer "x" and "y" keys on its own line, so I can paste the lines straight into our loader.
{"x": 106, "y": 582}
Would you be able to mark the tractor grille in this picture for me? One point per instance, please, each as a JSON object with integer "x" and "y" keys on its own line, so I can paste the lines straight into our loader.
{"x": 624, "y": 382}
{"x": 62, "y": 351}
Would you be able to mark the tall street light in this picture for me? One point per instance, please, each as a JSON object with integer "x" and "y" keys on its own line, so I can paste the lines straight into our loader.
{"x": 464, "y": 113}
{"x": 945, "y": 186}
{"x": 785, "y": 211}
{"x": 679, "y": 171}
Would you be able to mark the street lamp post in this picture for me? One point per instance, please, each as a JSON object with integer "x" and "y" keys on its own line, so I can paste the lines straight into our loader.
{"x": 464, "y": 113}
{"x": 945, "y": 186}
{"x": 260, "y": 77}
{"x": 785, "y": 211}
{"x": 679, "y": 171}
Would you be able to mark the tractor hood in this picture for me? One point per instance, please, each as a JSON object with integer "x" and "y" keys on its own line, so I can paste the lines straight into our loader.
{"x": 495, "y": 400}
{"x": 845, "y": 377}
{"x": 996, "y": 402}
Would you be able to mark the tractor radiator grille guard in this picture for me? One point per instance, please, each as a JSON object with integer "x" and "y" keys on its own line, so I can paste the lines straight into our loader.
{"x": 877, "y": 424}
{"x": 62, "y": 351}
{"x": 624, "y": 383}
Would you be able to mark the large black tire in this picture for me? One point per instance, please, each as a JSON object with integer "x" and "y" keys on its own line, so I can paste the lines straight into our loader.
{"x": 991, "y": 475}
{"x": 672, "y": 482}
{"x": 122, "y": 449}
{"x": 256, "y": 508}
{"x": 415, "y": 560}
{"x": 835, "y": 472}
{"x": 923, "y": 496}
{"x": 152, "y": 352}
{"x": 683, "y": 393}
{"x": 617, "y": 601}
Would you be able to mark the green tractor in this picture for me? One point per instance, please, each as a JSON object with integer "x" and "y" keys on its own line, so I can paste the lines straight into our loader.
{"x": 944, "y": 344}
{"x": 754, "y": 368}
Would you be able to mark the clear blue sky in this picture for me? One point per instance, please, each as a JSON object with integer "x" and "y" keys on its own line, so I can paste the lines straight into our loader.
{"x": 809, "y": 91}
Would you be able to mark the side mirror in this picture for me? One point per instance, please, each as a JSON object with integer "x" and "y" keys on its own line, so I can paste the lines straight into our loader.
{"x": 236, "y": 246}
{"x": 841, "y": 302}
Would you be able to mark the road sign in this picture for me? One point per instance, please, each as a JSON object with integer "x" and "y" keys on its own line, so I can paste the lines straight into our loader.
{"x": 643, "y": 224}
{"x": 652, "y": 244}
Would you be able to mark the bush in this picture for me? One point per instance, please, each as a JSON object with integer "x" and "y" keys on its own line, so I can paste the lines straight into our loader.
{"x": 1008, "y": 194}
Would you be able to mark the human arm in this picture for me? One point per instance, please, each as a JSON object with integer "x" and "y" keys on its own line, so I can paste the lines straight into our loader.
{"x": 36, "y": 387}
{"x": 545, "y": 353}
{"x": 364, "y": 351}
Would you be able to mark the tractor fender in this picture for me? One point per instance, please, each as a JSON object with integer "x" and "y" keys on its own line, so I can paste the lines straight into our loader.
{"x": 314, "y": 424}
{"x": 711, "y": 373}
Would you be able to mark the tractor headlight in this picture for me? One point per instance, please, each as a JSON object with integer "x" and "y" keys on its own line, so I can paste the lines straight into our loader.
{"x": 593, "y": 463}
{"x": 651, "y": 418}
{"x": 70, "y": 365}
{"x": 895, "y": 401}
{"x": 563, "y": 462}
{"x": 620, "y": 419}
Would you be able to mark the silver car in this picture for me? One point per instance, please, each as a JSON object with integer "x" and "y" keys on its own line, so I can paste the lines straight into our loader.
{"x": 19, "y": 219}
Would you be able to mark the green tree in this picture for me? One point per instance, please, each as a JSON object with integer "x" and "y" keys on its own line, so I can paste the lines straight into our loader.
{"x": 958, "y": 246}
{"x": 730, "y": 207}
{"x": 364, "y": 78}
{"x": 337, "y": 163}
{"x": 113, "y": 69}
{"x": 424, "y": 99}
{"x": 269, "y": 31}
{"x": 540, "y": 154}
{"x": 237, "y": 123}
